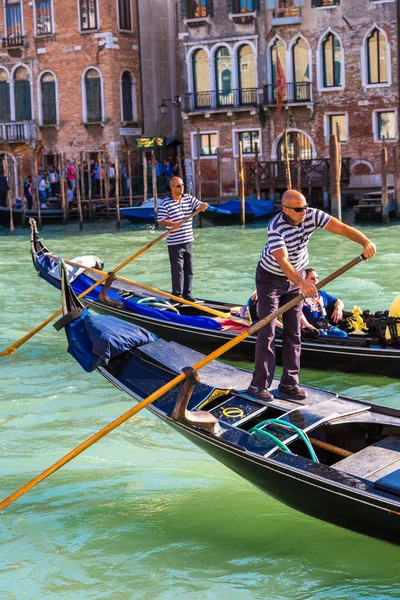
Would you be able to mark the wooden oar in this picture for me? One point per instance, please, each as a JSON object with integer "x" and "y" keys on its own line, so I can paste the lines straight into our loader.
{"x": 166, "y": 388}
{"x": 28, "y": 336}
{"x": 212, "y": 311}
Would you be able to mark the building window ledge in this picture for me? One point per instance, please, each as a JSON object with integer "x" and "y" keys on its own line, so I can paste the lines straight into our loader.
{"x": 44, "y": 36}
{"x": 244, "y": 18}
{"x": 89, "y": 123}
{"x": 229, "y": 110}
{"x": 88, "y": 31}
{"x": 50, "y": 126}
{"x": 197, "y": 21}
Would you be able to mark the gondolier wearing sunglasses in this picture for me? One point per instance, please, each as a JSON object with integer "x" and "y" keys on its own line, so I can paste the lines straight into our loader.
{"x": 173, "y": 209}
{"x": 280, "y": 277}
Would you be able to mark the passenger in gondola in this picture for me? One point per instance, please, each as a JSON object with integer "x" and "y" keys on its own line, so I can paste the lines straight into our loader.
{"x": 174, "y": 208}
{"x": 317, "y": 308}
{"x": 280, "y": 277}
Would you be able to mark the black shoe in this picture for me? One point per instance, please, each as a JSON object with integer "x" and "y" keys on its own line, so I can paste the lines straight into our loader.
{"x": 294, "y": 392}
{"x": 176, "y": 295}
{"x": 259, "y": 393}
{"x": 190, "y": 298}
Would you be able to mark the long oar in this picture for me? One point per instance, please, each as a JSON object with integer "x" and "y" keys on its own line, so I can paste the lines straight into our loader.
{"x": 166, "y": 388}
{"x": 28, "y": 336}
{"x": 212, "y": 311}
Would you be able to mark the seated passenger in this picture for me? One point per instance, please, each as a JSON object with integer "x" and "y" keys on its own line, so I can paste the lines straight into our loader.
{"x": 315, "y": 313}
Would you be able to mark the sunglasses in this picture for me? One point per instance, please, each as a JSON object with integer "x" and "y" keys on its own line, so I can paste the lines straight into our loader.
{"x": 179, "y": 185}
{"x": 297, "y": 209}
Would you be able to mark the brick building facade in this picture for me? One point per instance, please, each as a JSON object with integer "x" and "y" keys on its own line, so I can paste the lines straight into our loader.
{"x": 71, "y": 74}
{"x": 341, "y": 66}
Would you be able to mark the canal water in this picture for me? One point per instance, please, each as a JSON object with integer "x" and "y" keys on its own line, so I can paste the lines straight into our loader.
{"x": 143, "y": 514}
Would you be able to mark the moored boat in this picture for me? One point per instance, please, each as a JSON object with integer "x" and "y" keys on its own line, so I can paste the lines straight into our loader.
{"x": 331, "y": 457}
{"x": 369, "y": 352}
{"x": 229, "y": 213}
{"x": 140, "y": 214}
{"x": 48, "y": 215}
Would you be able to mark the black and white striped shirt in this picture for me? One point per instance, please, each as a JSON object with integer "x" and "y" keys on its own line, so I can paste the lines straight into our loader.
{"x": 295, "y": 238}
{"x": 171, "y": 210}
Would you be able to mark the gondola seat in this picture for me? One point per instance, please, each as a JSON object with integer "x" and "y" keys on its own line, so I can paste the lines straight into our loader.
{"x": 374, "y": 462}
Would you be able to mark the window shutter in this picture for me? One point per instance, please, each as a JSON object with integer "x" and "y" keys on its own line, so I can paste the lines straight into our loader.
{"x": 49, "y": 112}
{"x": 4, "y": 101}
{"x": 209, "y": 6}
{"x": 93, "y": 100}
{"x": 313, "y": 3}
{"x": 256, "y": 5}
{"x": 127, "y": 111}
{"x": 184, "y": 9}
{"x": 22, "y": 91}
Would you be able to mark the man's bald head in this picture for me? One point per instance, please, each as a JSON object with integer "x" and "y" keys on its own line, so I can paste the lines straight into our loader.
{"x": 293, "y": 198}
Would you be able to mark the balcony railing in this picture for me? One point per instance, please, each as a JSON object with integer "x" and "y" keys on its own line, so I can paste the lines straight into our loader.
{"x": 13, "y": 41}
{"x": 214, "y": 100}
{"x": 22, "y": 131}
{"x": 286, "y": 12}
{"x": 295, "y": 93}
{"x": 313, "y": 172}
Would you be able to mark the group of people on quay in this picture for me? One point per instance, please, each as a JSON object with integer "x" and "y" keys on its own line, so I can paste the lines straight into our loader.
{"x": 49, "y": 182}
{"x": 281, "y": 275}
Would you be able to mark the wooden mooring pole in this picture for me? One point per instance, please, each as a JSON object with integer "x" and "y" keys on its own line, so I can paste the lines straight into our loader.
{"x": 241, "y": 182}
{"x": 38, "y": 208}
{"x": 384, "y": 183}
{"x": 145, "y": 184}
{"x": 22, "y": 192}
{"x": 117, "y": 192}
{"x": 198, "y": 173}
{"x": 336, "y": 204}
{"x": 78, "y": 195}
{"x": 218, "y": 176}
{"x": 130, "y": 178}
{"x": 154, "y": 184}
{"x": 257, "y": 171}
{"x": 287, "y": 162}
{"x": 396, "y": 179}
{"x": 179, "y": 159}
{"x": 9, "y": 200}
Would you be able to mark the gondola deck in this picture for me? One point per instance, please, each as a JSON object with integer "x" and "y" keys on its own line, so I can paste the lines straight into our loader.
{"x": 365, "y": 353}
{"x": 352, "y": 481}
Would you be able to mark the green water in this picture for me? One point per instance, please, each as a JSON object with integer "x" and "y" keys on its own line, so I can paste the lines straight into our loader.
{"x": 143, "y": 514}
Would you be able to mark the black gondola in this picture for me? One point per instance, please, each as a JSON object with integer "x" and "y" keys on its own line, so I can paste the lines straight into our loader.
{"x": 184, "y": 324}
{"x": 333, "y": 458}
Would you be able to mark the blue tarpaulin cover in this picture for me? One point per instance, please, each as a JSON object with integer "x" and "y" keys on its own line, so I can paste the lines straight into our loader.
{"x": 258, "y": 207}
{"x": 96, "y": 339}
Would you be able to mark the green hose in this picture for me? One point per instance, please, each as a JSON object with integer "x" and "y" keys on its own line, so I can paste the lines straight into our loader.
{"x": 284, "y": 424}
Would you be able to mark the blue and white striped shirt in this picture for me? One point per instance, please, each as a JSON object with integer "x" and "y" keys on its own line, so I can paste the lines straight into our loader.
{"x": 171, "y": 210}
{"x": 295, "y": 238}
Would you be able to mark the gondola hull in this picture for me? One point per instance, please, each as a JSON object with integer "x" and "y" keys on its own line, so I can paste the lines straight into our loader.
{"x": 347, "y": 494}
{"x": 356, "y": 353}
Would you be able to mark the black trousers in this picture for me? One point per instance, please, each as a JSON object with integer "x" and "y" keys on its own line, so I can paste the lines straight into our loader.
{"x": 180, "y": 257}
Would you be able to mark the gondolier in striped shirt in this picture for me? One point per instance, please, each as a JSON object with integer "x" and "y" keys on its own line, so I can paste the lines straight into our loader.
{"x": 173, "y": 209}
{"x": 280, "y": 277}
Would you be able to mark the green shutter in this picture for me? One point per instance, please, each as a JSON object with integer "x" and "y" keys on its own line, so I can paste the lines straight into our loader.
{"x": 232, "y": 6}
{"x": 256, "y": 5}
{"x": 49, "y": 112}
{"x": 209, "y": 5}
{"x": 23, "y": 110}
{"x": 184, "y": 9}
{"x": 4, "y": 101}
{"x": 93, "y": 100}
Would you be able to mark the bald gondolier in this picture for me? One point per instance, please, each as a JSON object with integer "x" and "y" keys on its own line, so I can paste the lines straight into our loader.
{"x": 280, "y": 277}
{"x": 175, "y": 208}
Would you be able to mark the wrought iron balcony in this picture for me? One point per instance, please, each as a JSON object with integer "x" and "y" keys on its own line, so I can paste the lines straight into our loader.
{"x": 214, "y": 100}
{"x": 13, "y": 41}
{"x": 21, "y": 131}
{"x": 286, "y": 12}
{"x": 296, "y": 93}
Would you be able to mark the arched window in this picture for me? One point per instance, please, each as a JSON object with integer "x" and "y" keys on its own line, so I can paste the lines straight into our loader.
{"x": 247, "y": 75}
{"x": 299, "y": 146}
{"x": 128, "y": 97}
{"x": 22, "y": 94}
{"x": 277, "y": 52}
{"x": 94, "y": 104}
{"x": 331, "y": 61}
{"x": 223, "y": 76}
{"x": 48, "y": 99}
{"x": 377, "y": 57}
{"x": 201, "y": 79}
{"x": 4, "y": 96}
{"x": 301, "y": 71}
